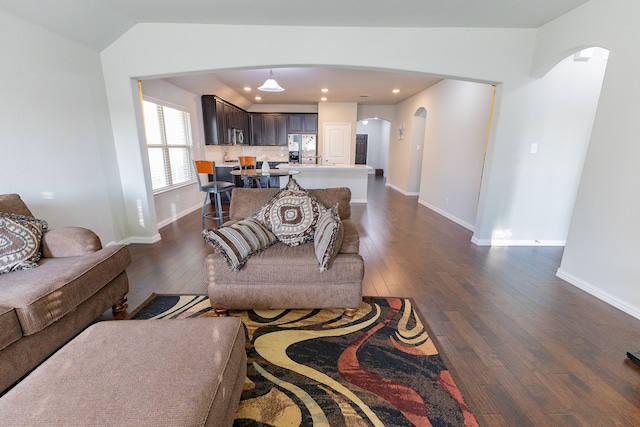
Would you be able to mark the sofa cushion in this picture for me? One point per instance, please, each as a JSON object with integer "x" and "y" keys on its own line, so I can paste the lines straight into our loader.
{"x": 330, "y": 196}
{"x": 327, "y": 237}
{"x": 12, "y": 203}
{"x": 45, "y": 294}
{"x": 291, "y": 214}
{"x": 20, "y": 238}
{"x": 10, "y": 330}
{"x": 246, "y": 201}
{"x": 145, "y": 373}
{"x": 238, "y": 241}
{"x": 268, "y": 267}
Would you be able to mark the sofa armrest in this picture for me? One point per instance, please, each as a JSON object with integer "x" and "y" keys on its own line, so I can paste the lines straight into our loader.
{"x": 351, "y": 239}
{"x": 69, "y": 241}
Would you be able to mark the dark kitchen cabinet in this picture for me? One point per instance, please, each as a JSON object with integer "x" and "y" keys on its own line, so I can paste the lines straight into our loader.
{"x": 256, "y": 128}
{"x": 303, "y": 123}
{"x": 281, "y": 129}
{"x": 220, "y": 118}
{"x": 221, "y": 123}
{"x": 210, "y": 120}
{"x": 274, "y": 129}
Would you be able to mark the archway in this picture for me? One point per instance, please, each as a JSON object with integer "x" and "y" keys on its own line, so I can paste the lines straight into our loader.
{"x": 537, "y": 174}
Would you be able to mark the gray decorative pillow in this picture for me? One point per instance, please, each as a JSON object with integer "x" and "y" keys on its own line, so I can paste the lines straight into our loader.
{"x": 238, "y": 241}
{"x": 328, "y": 237}
{"x": 291, "y": 214}
{"x": 20, "y": 238}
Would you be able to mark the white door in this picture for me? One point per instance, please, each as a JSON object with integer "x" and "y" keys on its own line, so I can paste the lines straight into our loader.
{"x": 337, "y": 143}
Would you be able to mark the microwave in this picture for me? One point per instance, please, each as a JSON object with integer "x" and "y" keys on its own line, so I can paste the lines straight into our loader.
{"x": 236, "y": 136}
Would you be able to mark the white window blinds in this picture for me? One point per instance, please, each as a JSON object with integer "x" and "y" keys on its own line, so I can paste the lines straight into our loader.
{"x": 169, "y": 145}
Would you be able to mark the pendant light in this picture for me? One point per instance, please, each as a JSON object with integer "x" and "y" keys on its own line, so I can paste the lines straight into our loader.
{"x": 270, "y": 85}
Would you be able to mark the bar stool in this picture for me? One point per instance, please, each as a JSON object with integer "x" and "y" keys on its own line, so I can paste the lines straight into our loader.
{"x": 249, "y": 162}
{"x": 212, "y": 187}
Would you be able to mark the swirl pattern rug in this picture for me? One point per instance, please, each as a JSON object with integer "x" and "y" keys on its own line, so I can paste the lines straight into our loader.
{"x": 316, "y": 368}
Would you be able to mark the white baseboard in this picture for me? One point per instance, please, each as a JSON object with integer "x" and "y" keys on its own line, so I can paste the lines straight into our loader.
{"x": 358, "y": 200}
{"x": 447, "y": 215}
{"x": 142, "y": 239}
{"x": 503, "y": 242}
{"x": 179, "y": 215}
{"x": 598, "y": 293}
{"x": 480, "y": 242}
{"x": 156, "y": 237}
{"x": 399, "y": 190}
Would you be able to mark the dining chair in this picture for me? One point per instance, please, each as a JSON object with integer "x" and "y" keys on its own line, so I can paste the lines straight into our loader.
{"x": 246, "y": 163}
{"x": 211, "y": 186}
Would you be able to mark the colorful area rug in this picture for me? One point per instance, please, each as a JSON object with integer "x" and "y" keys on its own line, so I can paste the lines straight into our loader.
{"x": 316, "y": 368}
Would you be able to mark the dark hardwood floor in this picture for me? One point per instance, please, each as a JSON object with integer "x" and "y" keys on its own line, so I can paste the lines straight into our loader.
{"x": 526, "y": 348}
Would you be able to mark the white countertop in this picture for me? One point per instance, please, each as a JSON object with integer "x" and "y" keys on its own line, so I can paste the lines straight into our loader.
{"x": 341, "y": 167}
{"x": 227, "y": 164}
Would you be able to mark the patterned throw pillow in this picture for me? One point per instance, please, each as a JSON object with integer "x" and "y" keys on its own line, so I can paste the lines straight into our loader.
{"x": 238, "y": 241}
{"x": 20, "y": 238}
{"x": 328, "y": 237}
{"x": 291, "y": 214}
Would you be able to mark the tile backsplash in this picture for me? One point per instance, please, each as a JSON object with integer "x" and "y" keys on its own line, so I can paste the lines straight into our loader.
{"x": 273, "y": 154}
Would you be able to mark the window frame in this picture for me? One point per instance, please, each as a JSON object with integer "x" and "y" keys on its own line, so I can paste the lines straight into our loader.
{"x": 165, "y": 146}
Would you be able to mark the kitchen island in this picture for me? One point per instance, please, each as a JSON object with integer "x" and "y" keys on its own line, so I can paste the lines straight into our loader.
{"x": 326, "y": 176}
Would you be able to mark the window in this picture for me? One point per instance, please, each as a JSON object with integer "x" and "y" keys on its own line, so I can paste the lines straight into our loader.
{"x": 169, "y": 145}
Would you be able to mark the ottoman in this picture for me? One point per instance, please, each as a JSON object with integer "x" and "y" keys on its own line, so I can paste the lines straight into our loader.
{"x": 138, "y": 372}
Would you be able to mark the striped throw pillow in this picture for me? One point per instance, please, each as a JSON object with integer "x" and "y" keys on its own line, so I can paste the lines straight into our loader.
{"x": 238, "y": 241}
{"x": 328, "y": 237}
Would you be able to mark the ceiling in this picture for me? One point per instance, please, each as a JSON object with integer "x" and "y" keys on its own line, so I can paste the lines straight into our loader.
{"x": 98, "y": 23}
{"x": 304, "y": 85}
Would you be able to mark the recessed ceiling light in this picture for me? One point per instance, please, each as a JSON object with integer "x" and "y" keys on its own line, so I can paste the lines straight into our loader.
{"x": 396, "y": 91}
{"x": 323, "y": 99}
{"x": 365, "y": 122}
{"x": 247, "y": 88}
{"x": 258, "y": 98}
{"x": 325, "y": 90}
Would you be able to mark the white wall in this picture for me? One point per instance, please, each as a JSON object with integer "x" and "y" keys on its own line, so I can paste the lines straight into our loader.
{"x": 601, "y": 254}
{"x": 453, "y": 146}
{"x": 384, "y": 112}
{"x": 55, "y": 135}
{"x": 530, "y": 197}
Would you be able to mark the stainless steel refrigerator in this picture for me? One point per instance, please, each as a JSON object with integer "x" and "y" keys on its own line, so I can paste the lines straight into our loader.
{"x": 303, "y": 148}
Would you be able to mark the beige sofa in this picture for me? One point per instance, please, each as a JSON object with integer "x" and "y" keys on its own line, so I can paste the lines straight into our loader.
{"x": 44, "y": 307}
{"x": 284, "y": 276}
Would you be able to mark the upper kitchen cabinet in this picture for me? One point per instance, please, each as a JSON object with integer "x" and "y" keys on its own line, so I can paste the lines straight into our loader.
{"x": 223, "y": 121}
{"x": 303, "y": 123}
{"x": 256, "y": 128}
{"x": 211, "y": 121}
{"x": 274, "y": 129}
